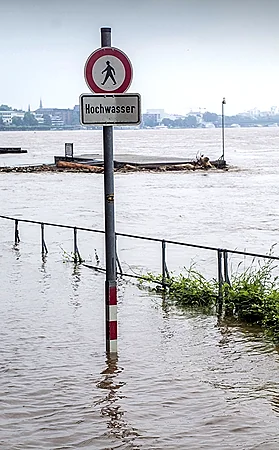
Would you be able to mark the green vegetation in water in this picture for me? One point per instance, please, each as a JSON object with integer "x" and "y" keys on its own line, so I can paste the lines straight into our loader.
{"x": 189, "y": 289}
{"x": 251, "y": 296}
{"x": 71, "y": 257}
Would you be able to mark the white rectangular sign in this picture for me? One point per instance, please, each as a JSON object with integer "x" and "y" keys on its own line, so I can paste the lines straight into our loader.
{"x": 110, "y": 109}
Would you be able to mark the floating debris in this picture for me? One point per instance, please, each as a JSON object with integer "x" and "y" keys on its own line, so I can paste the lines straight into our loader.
{"x": 70, "y": 166}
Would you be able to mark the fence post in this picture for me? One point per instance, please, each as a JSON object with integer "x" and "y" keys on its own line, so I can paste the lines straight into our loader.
{"x": 17, "y": 240}
{"x": 75, "y": 245}
{"x": 226, "y": 269}
{"x": 220, "y": 280}
{"x": 77, "y": 257}
{"x": 164, "y": 264}
{"x": 44, "y": 247}
{"x": 117, "y": 259}
{"x": 228, "y": 306}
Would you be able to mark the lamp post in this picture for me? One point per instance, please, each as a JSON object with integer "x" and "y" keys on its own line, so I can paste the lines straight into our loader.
{"x": 223, "y": 129}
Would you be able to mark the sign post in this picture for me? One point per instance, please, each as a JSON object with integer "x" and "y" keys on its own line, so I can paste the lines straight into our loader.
{"x": 108, "y": 74}
{"x": 110, "y": 241}
{"x": 223, "y": 129}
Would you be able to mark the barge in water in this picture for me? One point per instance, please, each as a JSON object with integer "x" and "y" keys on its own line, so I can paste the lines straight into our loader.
{"x": 140, "y": 161}
{"x": 4, "y": 150}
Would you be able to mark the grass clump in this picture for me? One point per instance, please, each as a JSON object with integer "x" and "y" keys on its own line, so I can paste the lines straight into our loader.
{"x": 251, "y": 296}
{"x": 188, "y": 289}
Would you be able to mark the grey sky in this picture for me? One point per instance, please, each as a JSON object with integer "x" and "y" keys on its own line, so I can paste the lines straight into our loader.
{"x": 185, "y": 53}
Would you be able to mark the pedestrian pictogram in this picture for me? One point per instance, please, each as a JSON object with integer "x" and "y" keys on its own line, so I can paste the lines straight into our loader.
{"x": 110, "y": 72}
{"x": 108, "y": 69}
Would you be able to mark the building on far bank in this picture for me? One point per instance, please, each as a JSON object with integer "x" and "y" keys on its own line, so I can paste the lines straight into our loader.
{"x": 40, "y": 118}
{"x": 154, "y": 117}
{"x": 256, "y": 113}
{"x": 150, "y": 120}
{"x": 162, "y": 114}
{"x": 60, "y": 117}
{"x": 7, "y": 116}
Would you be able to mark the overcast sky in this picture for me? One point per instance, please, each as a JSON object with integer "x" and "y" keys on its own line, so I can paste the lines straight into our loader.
{"x": 185, "y": 53}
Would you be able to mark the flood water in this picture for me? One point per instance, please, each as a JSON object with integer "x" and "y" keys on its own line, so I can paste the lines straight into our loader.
{"x": 181, "y": 380}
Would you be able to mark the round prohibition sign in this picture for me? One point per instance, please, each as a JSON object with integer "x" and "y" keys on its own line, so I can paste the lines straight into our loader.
{"x": 108, "y": 70}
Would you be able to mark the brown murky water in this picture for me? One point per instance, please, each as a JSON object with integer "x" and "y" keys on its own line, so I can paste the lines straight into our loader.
{"x": 181, "y": 381}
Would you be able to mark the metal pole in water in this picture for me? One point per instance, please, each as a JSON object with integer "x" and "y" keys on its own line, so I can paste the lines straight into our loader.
{"x": 17, "y": 240}
{"x": 226, "y": 267}
{"x": 75, "y": 246}
{"x": 220, "y": 280}
{"x": 223, "y": 129}
{"x": 164, "y": 264}
{"x": 44, "y": 247}
{"x": 110, "y": 242}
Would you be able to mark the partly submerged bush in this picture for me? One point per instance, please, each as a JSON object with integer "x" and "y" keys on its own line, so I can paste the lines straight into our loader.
{"x": 189, "y": 289}
{"x": 252, "y": 296}
{"x": 192, "y": 289}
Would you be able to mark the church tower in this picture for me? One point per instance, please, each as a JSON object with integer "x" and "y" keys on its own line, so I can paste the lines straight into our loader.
{"x": 41, "y": 104}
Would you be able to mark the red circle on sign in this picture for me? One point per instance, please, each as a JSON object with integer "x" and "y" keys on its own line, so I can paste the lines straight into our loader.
{"x": 108, "y": 51}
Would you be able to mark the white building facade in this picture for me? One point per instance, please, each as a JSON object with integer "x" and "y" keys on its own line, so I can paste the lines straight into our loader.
{"x": 7, "y": 116}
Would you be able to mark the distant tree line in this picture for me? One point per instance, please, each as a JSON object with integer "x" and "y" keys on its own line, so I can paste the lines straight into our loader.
{"x": 190, "y": 121}
{"x": 6, "y": 108}
{"x": 27, "y": 121}
{"x": 195, "y": 121}
{"x": 186, "y": 122}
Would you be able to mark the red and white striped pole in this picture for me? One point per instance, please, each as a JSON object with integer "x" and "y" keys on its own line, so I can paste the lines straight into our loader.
{"x": 111, "y": 319}
{"x": 110, "y": 240}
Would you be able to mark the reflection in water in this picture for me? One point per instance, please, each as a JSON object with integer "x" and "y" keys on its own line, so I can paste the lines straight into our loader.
{"x": 275, "y": 403}
{"x": 16, "y": 252}
{"x": 75, "y": 281}
{"x": 166, "y": 330}
{"x": 165, "y": 304}
{"x": 45, "y": 281}
{"x": 111, "y": 409}
{"x": 43, "y": 268}
{"x": 76, "y": 277}
{"x": 225, "y": 331}
{"x": 44, "y": 260}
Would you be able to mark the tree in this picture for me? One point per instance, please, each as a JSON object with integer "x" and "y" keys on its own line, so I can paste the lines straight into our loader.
{"x": 210, "y": 117}
{"x": 186, "y": 122}
{"x": 29, "y": 120}
{"x": 5, "y": 108}
{"x": 17, "y": 121}
{"x": 47, "y": 120}
{"x": 179, "y": 123}
{"x": 190, "y": 122}
{"x": 168, "y": 123}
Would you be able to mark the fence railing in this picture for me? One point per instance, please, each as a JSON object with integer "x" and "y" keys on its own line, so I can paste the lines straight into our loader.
{"x": 221, "y": 253}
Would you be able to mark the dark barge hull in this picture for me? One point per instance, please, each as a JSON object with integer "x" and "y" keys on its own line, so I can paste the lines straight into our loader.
{"x": 4, "y": 150}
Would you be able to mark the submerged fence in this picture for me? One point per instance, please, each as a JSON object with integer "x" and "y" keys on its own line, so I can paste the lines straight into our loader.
{"x": 222, "y": 265}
